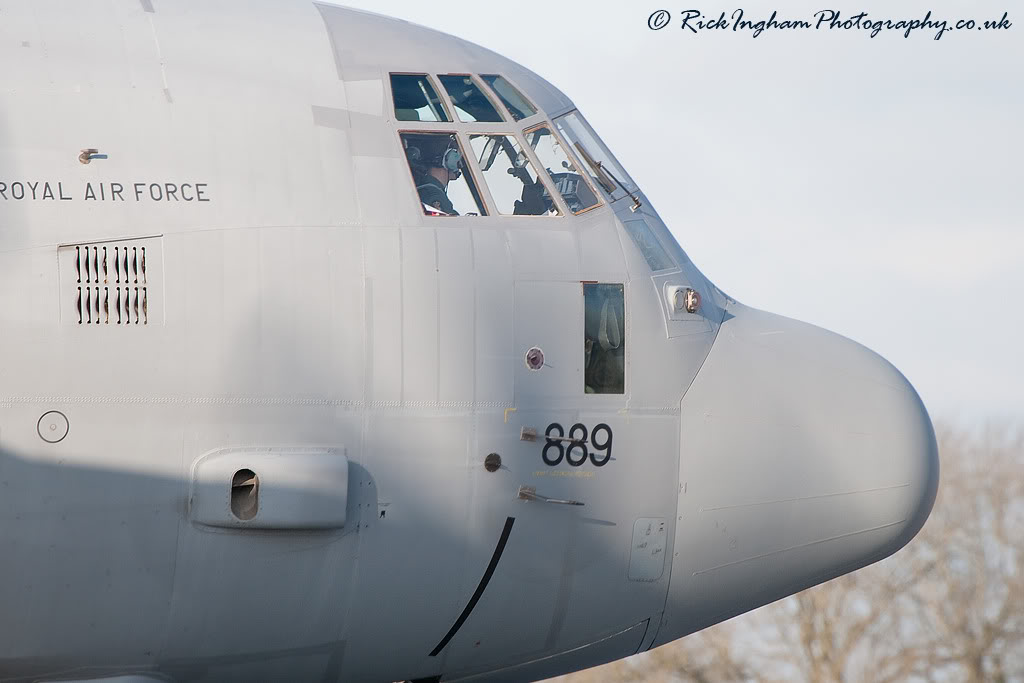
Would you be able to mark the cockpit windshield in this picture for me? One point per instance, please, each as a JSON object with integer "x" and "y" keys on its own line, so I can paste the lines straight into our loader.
{"x": 601, "y": 166}
{"x": 509, "y": 175}
{"x": 521, "y": 170}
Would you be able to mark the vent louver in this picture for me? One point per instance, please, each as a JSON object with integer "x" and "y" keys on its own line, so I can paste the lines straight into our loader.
{"x": 110, "y": 283}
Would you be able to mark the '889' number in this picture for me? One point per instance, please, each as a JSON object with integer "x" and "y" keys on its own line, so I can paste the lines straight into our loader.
{"x": 573, "y": 446}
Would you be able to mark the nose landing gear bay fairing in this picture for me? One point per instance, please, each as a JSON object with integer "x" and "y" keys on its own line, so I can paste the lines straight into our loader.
{"x": 335, "y": 348}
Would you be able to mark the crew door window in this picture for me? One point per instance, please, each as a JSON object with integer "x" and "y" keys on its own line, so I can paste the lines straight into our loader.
{"x": 604, "y": 338}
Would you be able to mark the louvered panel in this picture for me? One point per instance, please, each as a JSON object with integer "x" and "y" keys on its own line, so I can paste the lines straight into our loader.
{"x": 116, "y": 283}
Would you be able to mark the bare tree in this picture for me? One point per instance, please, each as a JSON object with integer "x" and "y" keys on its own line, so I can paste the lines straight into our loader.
{"x": 948, "y": 607}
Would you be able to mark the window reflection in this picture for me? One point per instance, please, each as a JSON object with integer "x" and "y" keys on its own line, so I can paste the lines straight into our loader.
{"x": 510, "y": 177}
{"x": 604, "y": 343}
{"x": 518, "y": 106}
{"x": 648, "y": 245}
{"x": 439, "y": 172}
{"x": 415, "y": 99}
{"x": 598, "y": 161}
{"x": 566, "y": 179}
{"x": 469, "y": 101}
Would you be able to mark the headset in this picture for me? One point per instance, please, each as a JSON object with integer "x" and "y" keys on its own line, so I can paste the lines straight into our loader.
{"x": 449, "y": 159}
{"x": 452, "y": 157}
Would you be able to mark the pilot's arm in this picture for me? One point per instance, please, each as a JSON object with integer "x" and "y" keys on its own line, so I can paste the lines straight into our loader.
{"x": 532, "y": 201}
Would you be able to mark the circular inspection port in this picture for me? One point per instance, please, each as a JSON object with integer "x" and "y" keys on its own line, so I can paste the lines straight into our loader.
{"x": 492, "y": 463}
{"x": 52, "y": 427}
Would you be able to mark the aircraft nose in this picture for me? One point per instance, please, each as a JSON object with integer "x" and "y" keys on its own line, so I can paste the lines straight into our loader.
{"x": 803, "y": 456}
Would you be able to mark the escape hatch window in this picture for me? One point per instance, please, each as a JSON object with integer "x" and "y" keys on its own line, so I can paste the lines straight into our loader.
{"x": 509, "y": 175}
{"x": 564, "y": 176}
{"x": 469, "y": 101}
{"x": 604, "y": 338}
{"x": 415, "y": 99}
{"x": 439, "y": 172}
{"x": 601, "y": 166}
{"x": 518, "y": 106}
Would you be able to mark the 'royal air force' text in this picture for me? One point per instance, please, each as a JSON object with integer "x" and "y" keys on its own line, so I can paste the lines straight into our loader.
{"x": 45, "y": 191}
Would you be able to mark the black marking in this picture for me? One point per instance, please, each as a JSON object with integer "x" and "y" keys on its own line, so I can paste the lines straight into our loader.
{"x": 147, "y": 6}
{"x": 498, "y": 550}
{"x": 647, "y": 627}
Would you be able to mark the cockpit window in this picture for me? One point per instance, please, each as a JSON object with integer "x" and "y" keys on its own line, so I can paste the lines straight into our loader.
{"x": 518, "y": 106}
{"x": 644, "y": 239}
{"x": 470, "y": 102}
{"x": 439, "y": 172}
{"x": 600, "y": 165}
{"x": 573, "y": 188}
{"x": 604, "y": 341}
{"x": 415, "y": 99}
{"x": 510, "y": 177}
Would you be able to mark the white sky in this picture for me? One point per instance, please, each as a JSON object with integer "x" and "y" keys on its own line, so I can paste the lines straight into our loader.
{"x": 872, "y": 186}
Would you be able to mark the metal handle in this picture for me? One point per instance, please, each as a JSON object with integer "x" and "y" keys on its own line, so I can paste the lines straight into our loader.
{"x": 530, "y": 493}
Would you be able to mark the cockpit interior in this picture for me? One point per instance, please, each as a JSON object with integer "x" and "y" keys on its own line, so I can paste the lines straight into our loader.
{"x": 486, "y": 150}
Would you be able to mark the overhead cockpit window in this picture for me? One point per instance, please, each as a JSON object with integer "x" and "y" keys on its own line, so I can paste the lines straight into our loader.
{"x": 469, "y": 101}
{"x": 415, "y": 99}
{"x": 443, "y": 182}
{"x": 518, "y": 106}
{"x": 570, "y": 184}
{"x": 600, "y": 165}
{"x": 515, "y": 187}
{"x": 604, "y": 341}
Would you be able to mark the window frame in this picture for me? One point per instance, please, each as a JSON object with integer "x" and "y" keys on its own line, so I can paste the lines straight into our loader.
{"x": 553, "y": 130}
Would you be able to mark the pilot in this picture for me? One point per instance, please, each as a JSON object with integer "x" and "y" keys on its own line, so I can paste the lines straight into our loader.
{"x": 434, "y": 161}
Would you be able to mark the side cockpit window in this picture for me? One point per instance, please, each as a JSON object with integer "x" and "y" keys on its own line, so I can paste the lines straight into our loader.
{"x": 514, "y": 185}
{"x": 604, "y": 340}
{"x": 469, "y": 101}
{"x": 518, "y": 106}
{"x": 439, "y": 172}
{"x": 415, "y": 99}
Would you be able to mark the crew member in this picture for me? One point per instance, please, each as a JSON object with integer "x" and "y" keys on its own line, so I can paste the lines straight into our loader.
{"x": 434, "y": 161}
